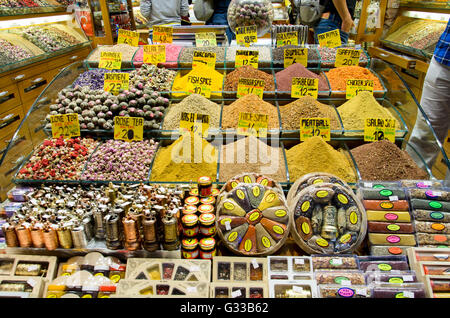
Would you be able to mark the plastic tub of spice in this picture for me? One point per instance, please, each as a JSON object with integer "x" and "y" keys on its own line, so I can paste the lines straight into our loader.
{"x": 339, "y": 291}
{"x": 293, "y": 289}
{"x": 328, "y": 56}
{"x": 264, "y": 55}
{"x": 278, "y": 55}
{"x": 187, "y": 53}
{"x": 430, "y": 194}
{"x": 383, "y": 263}
{"x": 414, "y": 290}
{"x": 395, "y": 277}
{"x": 231, "y": 81}
{"x": 172, "y": 52}
{"x": 93, "y": 60}
{"x": 335, "y": 262}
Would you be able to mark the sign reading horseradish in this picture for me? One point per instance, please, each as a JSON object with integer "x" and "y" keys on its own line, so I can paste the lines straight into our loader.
{"x": 310, "y": 127}
{"x": 246, "y": 57}
{"x": 66, "y": 125}
{"x": 354, "y": 86}
{"x": 347, "y": 57}
{"x": 154, "y": 54}
{"x": 205, "y": 39}
{"x": 253, "y": 124}
{"x": 330, "y": 39}
{"x": 110, "y": 60}
{"x": 162, "y": 34}
{"x": 199, "y": 85}
{"x": 287, "y": 38}
{"x": 250, "y": 86}
{"x": 128, "y": 37}
{"x": 246, "y": 35}
{"x": 128, "y": 128}
{"x": 292, "y": 56}
{"x": 193, "y": 122}
{"x": 204, "y": 58}
{"x": 303, "y": 86}
{"x": 114, "y": 82}
{"x": 376, "y": 129}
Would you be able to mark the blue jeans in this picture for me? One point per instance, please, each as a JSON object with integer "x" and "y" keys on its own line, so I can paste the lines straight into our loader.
{"x": 332, "y": 23}
{"x": 221, "y": 19}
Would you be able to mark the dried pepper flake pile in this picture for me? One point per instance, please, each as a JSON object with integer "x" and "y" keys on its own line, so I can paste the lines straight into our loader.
{"x": 338, "y": 77}
{"x": 58, "y": 159}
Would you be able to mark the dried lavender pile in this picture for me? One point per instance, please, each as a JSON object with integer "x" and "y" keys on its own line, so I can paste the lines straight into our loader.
{"x": 93, "y": 79}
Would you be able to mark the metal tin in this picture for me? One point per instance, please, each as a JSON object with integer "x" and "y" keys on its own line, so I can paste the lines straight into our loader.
{"x": 207, "y": 224}
{"x": 189, "y": 248}
{"x": 207, "y": 248}
{"x": 149, "y": 230}
{"x": 206, "y": 208}
{"x": 204, "y": 186}
{"x": 131, "y": 233}
{"x": 329, "y": 228}
{"x": 64, "y": 237}
{"x": 10, "y": 236}
{"x": 50, "y": 238}
{"x": 98, "y": 224}
{"x": 79, "y": 238}
{"x": 190, "y": 225}
{"x": 37, "y": 236}
{"x": 112, "y": 231}
{"x": 24, "y": 235}
{"x": 169, "y": 228}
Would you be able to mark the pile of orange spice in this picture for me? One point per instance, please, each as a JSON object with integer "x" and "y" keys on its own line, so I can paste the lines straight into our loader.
{"x": 338, "y": 77}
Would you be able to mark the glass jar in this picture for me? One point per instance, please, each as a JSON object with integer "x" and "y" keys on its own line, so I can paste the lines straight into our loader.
{"x": 207, "y": 248}
{"x": 192, "y": 200}
{"x": 189, "y": 248}
{"x": 204, "y": 186}
{"x": 116, "y": 272}
{"x": 208, "y": 200}
{"x": 206, "y": 208}
{"x": 207, "y": 224}
{"x": 190, "y": 225}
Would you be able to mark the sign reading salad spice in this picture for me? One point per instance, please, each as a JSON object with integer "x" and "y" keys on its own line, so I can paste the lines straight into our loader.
{"x": 162, "y": 34}
{"x": 246, "y": 57}
{"x": 287, "y": 38}
{"x": 253, "y": 124}
{"x": 199, "y": 85}
{"x": 292, "y": 56}
{"x": 376, "y": 129}
{"x": 354, "y": 86}
{"x": 310, "y": 127}
{"x": 303, "y": 86}
{"x": 110, "y": 60}
{"x": 128, "y": 37}
{"x": 347, "y": 57}
{"x": 193, "y": 122}
{"x": 66, "y": 125}
{"x": 114, "y": 82}
{"x": 246, "y": 35}
{"x": 250, "y": 86}
{"x": 205, "y": 39}
{"x": 204, "y": 58}
{"x": 330, "y": 39}
{"x": 154, "y": 54}
{"x": 128, "y": 128}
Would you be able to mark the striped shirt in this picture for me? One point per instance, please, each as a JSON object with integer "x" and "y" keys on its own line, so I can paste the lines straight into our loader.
{"x": 442, "y": 51}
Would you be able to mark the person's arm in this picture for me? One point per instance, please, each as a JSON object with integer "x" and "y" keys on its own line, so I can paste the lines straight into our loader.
{"x": 184, "y": 10}
{"x": 146, "y": 8}
{"x": 342, "y": 9}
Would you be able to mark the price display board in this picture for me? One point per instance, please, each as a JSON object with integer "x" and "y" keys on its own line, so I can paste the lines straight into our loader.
{"x": 66, "y": 125}
{"x": 128, "y": 128}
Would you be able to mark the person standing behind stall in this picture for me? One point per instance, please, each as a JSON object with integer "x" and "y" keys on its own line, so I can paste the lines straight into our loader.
{"x": 338, "y": 14}
{"x": 220, "y": 15}
{"x": 165, "y": 12}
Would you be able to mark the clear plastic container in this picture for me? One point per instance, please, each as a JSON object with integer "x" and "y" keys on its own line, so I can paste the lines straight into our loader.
{"x": 393, "y": 277}
{"x": 415, "y": 290}
{"x": 383, "y": 263}
{"x": 339, "y": 291}
{"x": 335, "y": 262}
{"x": 339, "y": 277}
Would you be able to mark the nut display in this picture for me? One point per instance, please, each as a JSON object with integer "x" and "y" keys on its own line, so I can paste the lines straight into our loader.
{"x": 251, "y": 12}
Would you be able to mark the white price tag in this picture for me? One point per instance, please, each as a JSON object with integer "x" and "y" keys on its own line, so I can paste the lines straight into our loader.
{"x": 31, "y": 282}
{"x": 32, "y": 268}
{"x": 236, "y": 293}
{"x": 336, "y": 261}
{"x": 299, "y": 261}
{"x": 440, "y": 256}
{"x": 361, "y": 291}
{"x": 191, "y": 289}
{"x": 367, "y": 184}
{"x": 393, "y": 198}
{"x": 436, "y": 193}
{"x": 297, "y": 289}
{"x": 408, "y": 278}
{"x": 227, "y": 226}
{"x": 255, "y": 263}
{"x": 427, "y": 183}
{"x": 114, "y": 266}
{"x": 408, "y": 294}
{"x": 195, "y": 268}
{"x": 346, "y": 282}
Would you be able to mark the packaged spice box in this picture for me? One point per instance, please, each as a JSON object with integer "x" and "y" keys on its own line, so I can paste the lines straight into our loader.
{"x": 136, "y": 288}
{"x": 293, "y": 289}
{"x": 239, "y": 269}
{"x": 383, "y": 263}
{"x": 334, "y": 262}
{"x": 339, "y": 277}
{"x": 21, "y": 286}
{"x": 414, "y": 290}
{"x": 339, "y": 291}
{"x": 290, "y": 267}
{"x": 395, "y": 277}
{"x": 238, "y": 290}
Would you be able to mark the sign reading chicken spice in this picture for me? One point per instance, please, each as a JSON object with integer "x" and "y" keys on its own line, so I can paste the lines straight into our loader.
{"x": 310, "y": 127}
{"x": 128, "y": 128}
{"x": 114, "y": 82}
{"x": 354, "y": 86}
{"x": 65, "y": 125}
{"x": 154, "y": 54}
{"x": 330, "y": 39}
{"x": 347, "y": 57}
{"x": 110, "y": 60}
{"x": 251, "y": 124}
{"x": 376, "y": 129}
{"x": 193, "y": 122}
{"x": 287, "y": 38}
{"x": 303, "y": 86}
{"x": 246, "y": 35}
{"x": 298, "y": 55}
{"x": 128, "y": 37}
{"x": 246, "y": 57}
{"x": 204, "y": 58}
{"x": 205, "y": 39}
{"x": 199, "y": 85}
{"x": 162, "y": 34}
{"x": 248, "y": 86}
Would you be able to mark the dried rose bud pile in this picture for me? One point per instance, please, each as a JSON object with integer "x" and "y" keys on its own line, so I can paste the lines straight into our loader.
{"x": 58, "y": 159}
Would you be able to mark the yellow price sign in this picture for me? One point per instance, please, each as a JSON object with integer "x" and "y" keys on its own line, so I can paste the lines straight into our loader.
{"x": 110, "y": 60}
{"x": 253, "y": 124}
{"x": 298, "y": 55}
{"x": 199, "y": 85}
{"x": 246, "y": 35}
{"x": 203, "y": 39}
{"x": 246, "y": 57}
{"x": 376, "y": 129}
{"x": 114, "y": 82}
{"x": 347, "y": 57}
{"x": 66, "y": 125}
{"x": 248, "y": 86}
{"x": 162, "y": 34}
{"x": 128, "y": 37}
{"x": 303, "y": 86}
{"x": 330, "y": 39}
{"x": 128, "y": 128}
{"x": 154, "y": 54}
{"x": 204, "y": 58}
{"x": 354, "y": 86}
{"x": 310, "y": 127}
{"x": 196, "y": 123}
{"x": 287, "y": 38}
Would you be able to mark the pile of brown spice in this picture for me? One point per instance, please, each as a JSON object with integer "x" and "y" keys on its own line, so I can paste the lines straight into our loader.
{"x": 306, "y": 107}
{"x": 247, "y": 71}
{"x": 284, "y": 77}
{"x": 383, "y": 160}
{"x": 249, "y": 104}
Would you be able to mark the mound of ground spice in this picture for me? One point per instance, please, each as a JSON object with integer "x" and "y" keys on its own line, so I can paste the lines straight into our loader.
{"x": 284, "y": 77}
{"x": 338, "y": 77}
{"x": 383, "y": 160}
{"x": 247, "y": 71}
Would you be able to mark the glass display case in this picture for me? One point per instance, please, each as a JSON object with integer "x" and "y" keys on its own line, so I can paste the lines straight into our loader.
{"x": 21, "y": 8}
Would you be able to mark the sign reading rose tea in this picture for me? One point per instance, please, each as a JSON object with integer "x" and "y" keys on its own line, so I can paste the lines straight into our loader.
{"x": 330, "y": 39}
{"x": 204, "y": 58}
{"x": 250, "y": 86}
{"x": 354, "y": 86}
{"x": 66, "y": 125}
{"x": 128, "y": 37}
{"x": 110, "y": 60}
{"x": 162, "y": 34}
{"x": 303, "y": 86}
{"x": 347, "y": 57}
{"x": 253, "y": 124}
{"x": 199, "y": 85}
{"x": 310, "y": 127}
{"x": 154, "y": 54}
{"x": 193, "y": 122}
{"x": 376, "y": 129}
{"x": 128, "y": 128}
{"x": 287, "y": 38}
{"x": 246, "y": 35}
{"x": 114, "y": 82}
{"x": 246, "y": 57}
{"x": 297, "y": 55}
{"x": 205, "y": 39}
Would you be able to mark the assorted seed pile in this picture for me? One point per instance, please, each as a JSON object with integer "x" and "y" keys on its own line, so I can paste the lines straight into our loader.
{"x": 10, "y": 53}
{"x": 48, "y": 38}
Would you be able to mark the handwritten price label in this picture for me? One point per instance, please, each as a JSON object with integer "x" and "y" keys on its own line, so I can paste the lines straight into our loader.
{"x": 292, "y": 56}
{"x": 128, "y": 37}
{"x": 354, "y": 86}
{"x": 330, "y": 39}
{"x": 376, "y": 129}
{"x": 347, "y": 57}
{"x": 310, "y": 127}
{"x": 114, "y": 82}
{"x": 246, "y": 57}
{"x": 199, "y": 85}
{"x": 66, "y": 125}
{"x": 250, "y": 86}
{"x": 204, "y": 58}
{"x": 162, "y": 34}
{"x": 110, "y": 60}
{"x": 193, "y": 122}
{"x": 246, "y": 35}
{"x": 128, "y": 128}
{"x": 203, "y": 39}
{"x": 253, "y": 124}
{"x": 154, "y": 54}
{"x": 287, "y": 38}
{"x": 303, "y": 86}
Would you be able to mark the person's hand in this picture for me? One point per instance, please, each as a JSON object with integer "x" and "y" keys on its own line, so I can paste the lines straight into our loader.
{"x": 347, "y": 25}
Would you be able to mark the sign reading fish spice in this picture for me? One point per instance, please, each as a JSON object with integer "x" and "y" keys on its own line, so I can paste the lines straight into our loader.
{"x": 248, "y": 86}
{"x": 199, "y": 85}
{"x": 114, "y": 82}
{"x": 303, "y": 86}
{"x": 287, "y": 38}
{"x": 253, "y": 124}
{"x": 354, "y": 86}
{"x": 205, "y": 39}
{"x": 66, "y": 125}
{"x": 204, "y": 58}
{"x": 128, "y": 37}
{"x": 246, "y": 57}
{"x": 128, "y": 128}
{"x": 376, "y": 129}
{"x": 298, "y": 55}
{"x": 154, "y": 54}
{"x": 310, "y": 127}
{"x": 246, "y": 35}
{"x": 162, "y": 34}
{"x": 193, "y": 122}
{"x": 347, "y": 57}
{"x": 330, "y": 39}
{"x": 110, "y": 60}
